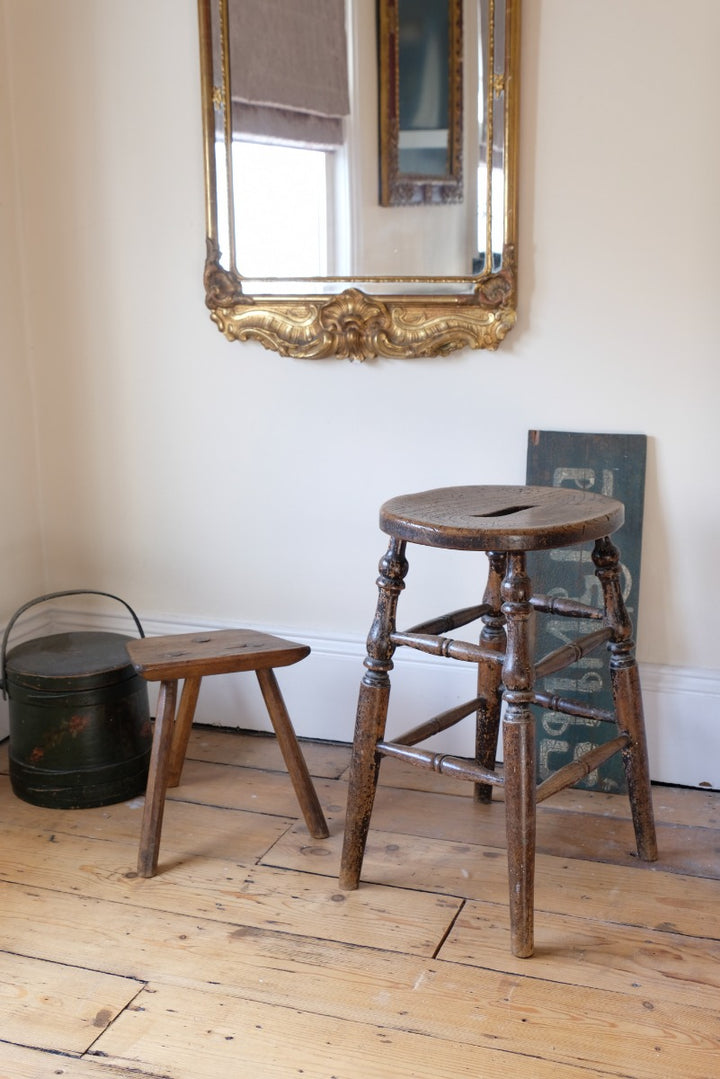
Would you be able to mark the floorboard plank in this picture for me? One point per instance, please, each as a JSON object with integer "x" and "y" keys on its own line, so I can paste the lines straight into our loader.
{"x": 254, "y": 963}
{"x": 652, "y": 964}
{"x": 195, "y": 1032}
{"x": 21, "y": 1062}
{"x": 251, "y": 896}
{"x": 57, "y": 1006}
{"x": 197, "y": 1036}
{"x": 325, "y": 760}
{"x": 269, "y": 964}
{"x": 673, "y": 805}
{"x": 689, "y": 850}
{"x": 452, "y": 817}
{"x": 189, "y": 828}
{"x": 606, "y": 834}
{"x": 638, "y": 895}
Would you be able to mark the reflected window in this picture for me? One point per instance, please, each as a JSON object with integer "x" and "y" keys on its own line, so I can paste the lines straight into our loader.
{"x": 289, "y": 100}
{"x": 284, "y": 197}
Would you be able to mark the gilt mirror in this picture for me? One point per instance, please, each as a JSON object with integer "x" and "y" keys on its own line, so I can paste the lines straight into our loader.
{"x": 361, "y": 173}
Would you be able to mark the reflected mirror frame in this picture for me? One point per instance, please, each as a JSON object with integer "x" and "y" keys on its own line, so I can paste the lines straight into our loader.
{"x": 399, "y": 188}
{"x": 464, "y": 312}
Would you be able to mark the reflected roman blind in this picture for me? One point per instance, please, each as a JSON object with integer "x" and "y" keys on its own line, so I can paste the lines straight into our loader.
{"x": 288, "y": 65}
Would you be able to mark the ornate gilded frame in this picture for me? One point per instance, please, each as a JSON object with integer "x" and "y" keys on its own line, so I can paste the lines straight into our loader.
{"x": 416, "y": 316}
{"x": 399, "y": 188}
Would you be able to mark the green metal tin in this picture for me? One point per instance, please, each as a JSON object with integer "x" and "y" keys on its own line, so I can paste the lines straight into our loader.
{"x": 80, "y": 732}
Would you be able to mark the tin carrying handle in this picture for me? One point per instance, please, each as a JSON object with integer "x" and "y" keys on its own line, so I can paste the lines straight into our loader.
{"x": 43, "y": 599}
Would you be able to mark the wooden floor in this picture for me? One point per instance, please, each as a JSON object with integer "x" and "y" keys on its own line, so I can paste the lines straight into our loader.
{"x": 242, "y": 958}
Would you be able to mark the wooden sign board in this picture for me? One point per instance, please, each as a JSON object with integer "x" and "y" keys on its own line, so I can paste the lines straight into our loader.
{"x": 607, "y": 464}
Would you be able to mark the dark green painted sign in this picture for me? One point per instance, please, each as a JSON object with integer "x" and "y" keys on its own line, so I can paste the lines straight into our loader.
{"x": 607, "y": 464}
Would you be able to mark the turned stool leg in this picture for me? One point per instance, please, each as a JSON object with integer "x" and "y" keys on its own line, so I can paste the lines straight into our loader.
{"x": 519, "y": 755}
{"x": 294, "y": 760}
{"x": 157, "y": 780}
{"x": 489, "y": 680}
{"x": 627, "y": 697}
{"x": 371, "y": 715}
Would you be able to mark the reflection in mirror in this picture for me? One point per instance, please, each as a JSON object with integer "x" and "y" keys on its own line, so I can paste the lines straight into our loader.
{"x": 289, "y": 99}
{"x": 302, "y": 254}
{"x": 420, "y": 49}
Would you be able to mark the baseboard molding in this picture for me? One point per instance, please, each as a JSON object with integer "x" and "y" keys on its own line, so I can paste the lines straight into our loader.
{"x": 682, "y": 715}
{"x": 682, "y": 705}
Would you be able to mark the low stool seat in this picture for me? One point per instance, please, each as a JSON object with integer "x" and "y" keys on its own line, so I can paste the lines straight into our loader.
{"x": 505, "y": 522}
{"x": 190, "y": 657}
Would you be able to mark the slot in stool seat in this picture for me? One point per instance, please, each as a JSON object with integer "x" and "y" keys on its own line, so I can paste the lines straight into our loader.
{"x": 190, "y": 657}
{"x": 505, "y": 523}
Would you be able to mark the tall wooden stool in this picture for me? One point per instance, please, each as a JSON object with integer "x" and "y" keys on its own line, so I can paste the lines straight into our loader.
{"x": 192, "y": 656}
{"x": 504, "y": 522}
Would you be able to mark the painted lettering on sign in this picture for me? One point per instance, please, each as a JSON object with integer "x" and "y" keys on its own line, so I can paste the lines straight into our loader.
{"x": 612, "y": 465}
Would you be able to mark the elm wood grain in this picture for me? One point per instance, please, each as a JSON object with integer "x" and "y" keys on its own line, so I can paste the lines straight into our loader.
{"x": 501, "y": 518}
{"x": 192, "y": 657}
{"x": 505, "y": 523}
{"x": 219, "y": 651}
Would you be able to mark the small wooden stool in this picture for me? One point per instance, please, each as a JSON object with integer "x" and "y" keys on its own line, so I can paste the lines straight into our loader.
{"x": 504, "y": 522}
{"x": 192, "y": 656}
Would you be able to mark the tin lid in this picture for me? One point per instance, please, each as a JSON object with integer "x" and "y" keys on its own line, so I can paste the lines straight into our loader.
{"x": 69, "y": 661}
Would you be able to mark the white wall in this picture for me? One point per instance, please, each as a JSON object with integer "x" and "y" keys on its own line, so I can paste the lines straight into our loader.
{"x": 395, "y": 240}
{"x": 214, "y": 483}
{"x": 21, "y": 569}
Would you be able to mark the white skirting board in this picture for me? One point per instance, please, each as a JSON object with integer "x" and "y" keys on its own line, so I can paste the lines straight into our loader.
{"x": 682, "y": 705}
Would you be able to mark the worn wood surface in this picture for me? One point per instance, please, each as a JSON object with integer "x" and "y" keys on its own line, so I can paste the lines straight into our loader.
{"x": 58, "y": 1006}
{"x": 611, "y": 465}
{"x": 183, "y": 655}
{"x": 500, "y": 518}
{"x": 517, "y": 521}
{"x": 243, "y": 958}
{"x": 191, "y": 657}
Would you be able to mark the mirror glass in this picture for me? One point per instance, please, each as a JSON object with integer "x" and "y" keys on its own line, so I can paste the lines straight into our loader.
{"x": 420, "y": 57}
{"x": 360, "y": 165}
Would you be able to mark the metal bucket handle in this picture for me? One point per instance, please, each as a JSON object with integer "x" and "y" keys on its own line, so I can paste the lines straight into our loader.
{"x": 42, "y": 599}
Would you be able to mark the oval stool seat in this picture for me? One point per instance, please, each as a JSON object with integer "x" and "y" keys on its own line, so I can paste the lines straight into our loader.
{"x": 505, "y": 523}
{"x": 501, "y": 518}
